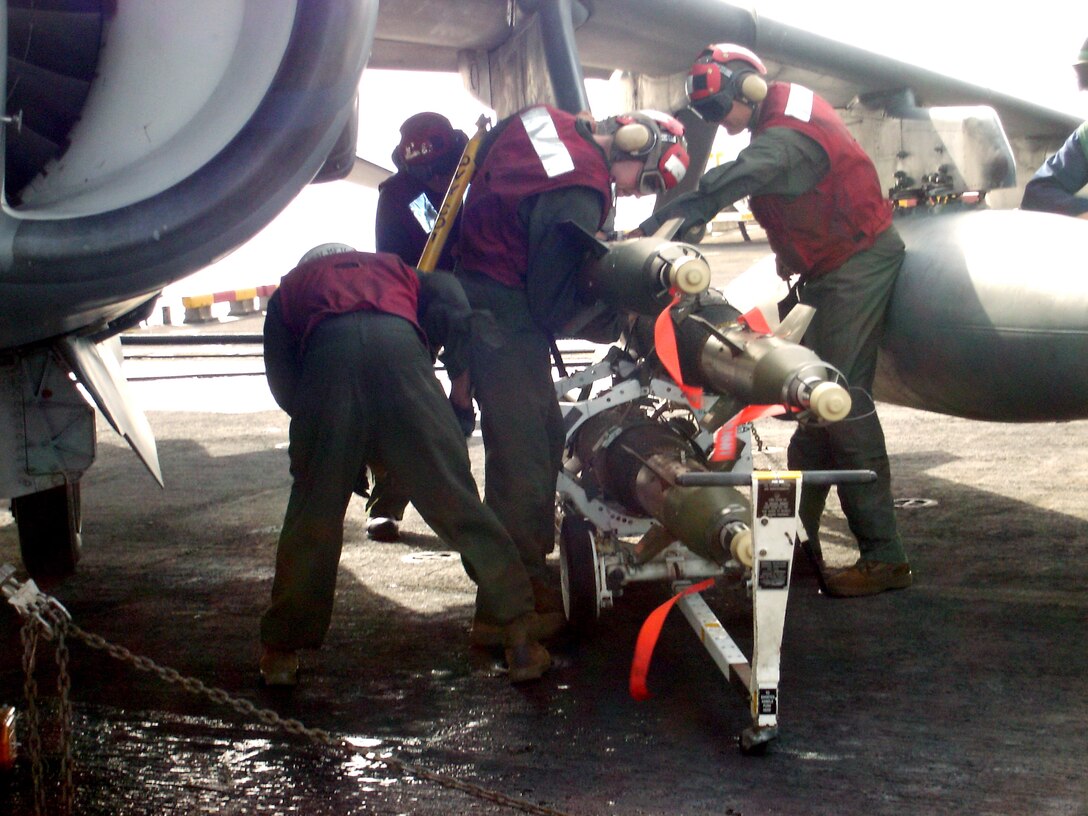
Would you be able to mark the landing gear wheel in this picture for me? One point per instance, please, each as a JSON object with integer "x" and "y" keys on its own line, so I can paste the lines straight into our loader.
{"x": 753, "y": 741}
{"x": 50, "y": 524}
{"x": 578, "y": 572}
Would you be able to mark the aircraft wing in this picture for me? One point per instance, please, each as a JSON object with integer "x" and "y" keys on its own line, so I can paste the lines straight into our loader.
{"x": 513, "y": 54}
{"x": 655, "y": 39}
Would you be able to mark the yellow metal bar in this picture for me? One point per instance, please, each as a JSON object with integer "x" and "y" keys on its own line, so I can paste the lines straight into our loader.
{"x": 451, "y": 204}
{"x": 197, "y": 301}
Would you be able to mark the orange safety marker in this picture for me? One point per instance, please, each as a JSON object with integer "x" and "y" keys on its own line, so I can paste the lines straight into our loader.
{"x": 665, "y": 343}
{"x": 647, "y": 640}
{"x": 725, "y": 438}
{"x": 7, "y": 738}
{"x": 755, "y": 321}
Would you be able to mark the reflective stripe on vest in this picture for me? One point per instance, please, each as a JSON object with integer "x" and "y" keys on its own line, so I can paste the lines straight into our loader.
{"x": 424, "y": 212}
{"x": 544, "y": 138}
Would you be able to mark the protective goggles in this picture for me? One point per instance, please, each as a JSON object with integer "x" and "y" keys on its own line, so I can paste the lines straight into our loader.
{"x": 707, "y": 92}
{"x": 664, "y": 170}
{"x": 713, "y": 109}
{"x": 651, "y": 182}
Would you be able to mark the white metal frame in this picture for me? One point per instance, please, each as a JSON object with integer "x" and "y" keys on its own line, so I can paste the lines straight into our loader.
{"x": 774, "y": 529}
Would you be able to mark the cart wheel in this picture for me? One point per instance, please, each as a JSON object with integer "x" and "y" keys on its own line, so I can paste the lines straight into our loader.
{"x": 753, "y": 741}
{"x": 49, "y": 523}
{"x": 578, "y": 571}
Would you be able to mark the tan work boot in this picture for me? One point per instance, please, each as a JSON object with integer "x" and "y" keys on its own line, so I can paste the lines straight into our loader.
{"x": 548, "y": 599}
{"x": 548, "y": 603}
{"x": 867, "y": 578}
{"x": 279, "y": 667}
{"x": 525, "y": 657}
{"x": 550, "y": 618}
{"x": 485, "y": 632}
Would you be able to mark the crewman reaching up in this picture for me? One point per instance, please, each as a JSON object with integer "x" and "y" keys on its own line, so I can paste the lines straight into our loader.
{"x": 817, "y": 195}
{"x": 1056, "y": 185}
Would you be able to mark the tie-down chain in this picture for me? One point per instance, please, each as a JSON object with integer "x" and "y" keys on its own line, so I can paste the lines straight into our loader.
{"x": 44, "y": 618}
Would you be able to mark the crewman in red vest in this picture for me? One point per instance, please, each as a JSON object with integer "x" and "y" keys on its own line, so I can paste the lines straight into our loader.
{"x": 348, "y": 344}
{"x": 426, "y": 156}
{"x": 538, "y": 172}
{"x": 817, "y": 195}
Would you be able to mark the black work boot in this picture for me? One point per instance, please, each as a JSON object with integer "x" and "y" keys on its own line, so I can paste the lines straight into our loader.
{"x": 382, "y": 529}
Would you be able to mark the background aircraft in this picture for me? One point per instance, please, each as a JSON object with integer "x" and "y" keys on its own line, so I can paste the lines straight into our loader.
{"x": 147, "y": 139}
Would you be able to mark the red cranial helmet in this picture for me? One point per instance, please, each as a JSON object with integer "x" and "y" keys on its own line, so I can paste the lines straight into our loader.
{"x": 654, "y": 138}
{"x": 429, "y": 145}
{"x": 724, "y": 73}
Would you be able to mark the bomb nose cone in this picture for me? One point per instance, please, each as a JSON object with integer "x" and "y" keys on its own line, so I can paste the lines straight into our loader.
{"x": 830, "y": 401}
{"x": 742, "y": 549}
{"x": 691, "y": 275}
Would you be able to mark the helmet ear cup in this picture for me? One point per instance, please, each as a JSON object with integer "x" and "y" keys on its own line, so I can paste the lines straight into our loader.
{"x": 673, "y": 165}
{"x": 634, "y": 138}
{"x": 752, "y": 87}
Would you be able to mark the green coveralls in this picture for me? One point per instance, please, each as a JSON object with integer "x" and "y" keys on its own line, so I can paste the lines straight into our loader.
{"x": 367, "y": 392}
{"x": 520, "y": 419}
{"x": 850, "y": 304}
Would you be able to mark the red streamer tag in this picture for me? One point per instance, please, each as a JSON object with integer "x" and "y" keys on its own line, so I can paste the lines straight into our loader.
{"x": 665, "y": 341}
{"x": 755, "y": 321}
{"x": 725, "y": 438}
{"x": 647, "y": 639}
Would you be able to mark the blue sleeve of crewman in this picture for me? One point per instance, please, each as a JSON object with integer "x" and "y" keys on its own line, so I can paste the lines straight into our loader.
{"x": 1055, "y": 185}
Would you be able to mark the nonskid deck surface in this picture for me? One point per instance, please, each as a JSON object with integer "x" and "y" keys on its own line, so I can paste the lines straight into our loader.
{"x": 963, "y": 694}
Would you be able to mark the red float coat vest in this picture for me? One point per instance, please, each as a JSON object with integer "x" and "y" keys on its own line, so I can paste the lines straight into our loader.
{"x": 821, "y": 229}
{"x": 348, "y": 282}
{"x": 537, "y": 150}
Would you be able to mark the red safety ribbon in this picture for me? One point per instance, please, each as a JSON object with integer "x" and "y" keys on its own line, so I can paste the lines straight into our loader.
{"x": 755, "y": 321}
{"x": 725, "y": 438}
{"x": 647, "y": 639}
{"x": 665, "y": 342}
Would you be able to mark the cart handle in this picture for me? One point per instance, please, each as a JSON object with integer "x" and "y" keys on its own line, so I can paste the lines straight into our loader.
{"x": 738, "y": 479}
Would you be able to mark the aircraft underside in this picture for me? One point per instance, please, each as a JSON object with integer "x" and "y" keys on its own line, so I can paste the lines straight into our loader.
{"x": 146, "y": 140}
{"x": 143, "y": 141}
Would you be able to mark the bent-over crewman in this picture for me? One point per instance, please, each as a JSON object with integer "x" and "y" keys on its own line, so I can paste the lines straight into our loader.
{"x": 348, "y": 339}
{"x": 536, "y": 171}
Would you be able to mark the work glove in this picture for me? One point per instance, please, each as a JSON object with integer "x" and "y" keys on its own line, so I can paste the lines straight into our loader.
{"x": 784, "y": 271}
{"x": 466, "y": 417}
{"x": 693, "y": 233}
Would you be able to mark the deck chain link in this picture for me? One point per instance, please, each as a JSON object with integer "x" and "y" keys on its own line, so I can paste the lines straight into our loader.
{"x": 50, "y": 619}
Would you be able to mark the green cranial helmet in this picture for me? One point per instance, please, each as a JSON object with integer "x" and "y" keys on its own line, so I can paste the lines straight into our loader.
{"x": 321, "y": 250}
{"x": 1081, "y": 66}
